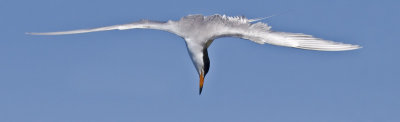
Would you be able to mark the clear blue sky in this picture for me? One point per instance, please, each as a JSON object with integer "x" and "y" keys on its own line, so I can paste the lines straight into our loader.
{"x": 147, "y": 75}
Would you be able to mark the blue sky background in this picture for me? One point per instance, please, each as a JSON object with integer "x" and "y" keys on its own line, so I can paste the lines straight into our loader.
{"x": 147, "y": 75}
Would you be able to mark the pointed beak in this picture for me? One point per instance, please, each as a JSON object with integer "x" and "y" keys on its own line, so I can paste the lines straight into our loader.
{"x": 201, "y": 82}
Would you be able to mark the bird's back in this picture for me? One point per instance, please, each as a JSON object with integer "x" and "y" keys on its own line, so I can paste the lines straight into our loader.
{"x": 199, "y": 26}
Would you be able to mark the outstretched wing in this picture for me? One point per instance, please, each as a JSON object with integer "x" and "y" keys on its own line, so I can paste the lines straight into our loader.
{"x": 303, "y": 41}
{"x": 261, "y": 33}
{"x": 166, "y": 26}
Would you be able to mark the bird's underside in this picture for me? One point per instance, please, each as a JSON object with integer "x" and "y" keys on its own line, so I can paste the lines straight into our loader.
{"x": 199, "y": 31}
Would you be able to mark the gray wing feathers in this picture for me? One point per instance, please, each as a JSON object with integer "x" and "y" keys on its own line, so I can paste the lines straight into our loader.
{"x": 261, "y": 33}
{"x": 303, "y": 41}
{"x": 79, "y": 31}
{"x": 295, "y": 40}
{"x": 140, "y": 24}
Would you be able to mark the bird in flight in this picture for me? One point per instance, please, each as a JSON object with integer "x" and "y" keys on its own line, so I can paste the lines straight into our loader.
{"x": 200, "y": 31}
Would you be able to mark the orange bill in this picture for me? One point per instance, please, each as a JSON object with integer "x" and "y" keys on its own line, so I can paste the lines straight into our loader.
{"x": 201, "y": 82}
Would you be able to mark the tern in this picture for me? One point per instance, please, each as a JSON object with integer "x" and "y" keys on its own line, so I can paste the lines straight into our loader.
{"x": 200, "y": 31}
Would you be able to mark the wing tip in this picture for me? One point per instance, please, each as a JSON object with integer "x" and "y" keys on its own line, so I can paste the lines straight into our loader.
{"x": 29, "y": 33}
{"x": 357, "y": 47}
{"x": 34, "y": 33}
{"x": 342, "y": 47}
{"x": 352, "y": 47}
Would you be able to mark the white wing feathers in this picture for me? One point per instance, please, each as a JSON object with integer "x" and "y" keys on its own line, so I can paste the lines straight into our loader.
{"x": 261, "y": 33}
{"x": 297, "y": 40}
{"x": 141, "y": 24}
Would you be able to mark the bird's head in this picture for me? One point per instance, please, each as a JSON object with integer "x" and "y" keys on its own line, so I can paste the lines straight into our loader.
{"x": 199, "y": 55}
